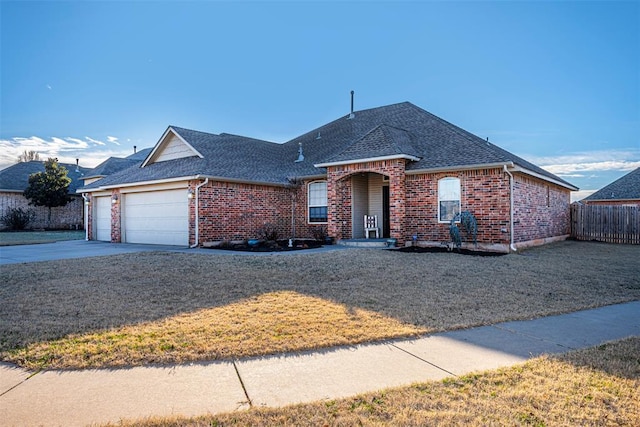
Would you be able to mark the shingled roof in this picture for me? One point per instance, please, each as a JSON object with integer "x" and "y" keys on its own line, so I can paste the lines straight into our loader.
{"x": 116, "y": 164}
{"x": 15, "y": 178}
{"x": 403, "y": 130}
{"x": 625, "y": 188}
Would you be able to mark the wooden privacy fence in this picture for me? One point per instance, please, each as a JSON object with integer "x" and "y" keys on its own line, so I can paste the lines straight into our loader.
{"x": 611, "y": 224}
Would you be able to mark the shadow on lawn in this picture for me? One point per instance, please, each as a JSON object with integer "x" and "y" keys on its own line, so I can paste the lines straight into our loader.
{"x": 437, "y": 291}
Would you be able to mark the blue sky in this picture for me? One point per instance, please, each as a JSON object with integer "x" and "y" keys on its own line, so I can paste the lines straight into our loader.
{"x": 557, "y": 83}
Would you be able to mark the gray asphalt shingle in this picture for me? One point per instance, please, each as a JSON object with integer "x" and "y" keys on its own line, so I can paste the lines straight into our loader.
{"x": 625, "y": 188}
{"x": 390, "y": 130}
{"x": 16, "y": 177}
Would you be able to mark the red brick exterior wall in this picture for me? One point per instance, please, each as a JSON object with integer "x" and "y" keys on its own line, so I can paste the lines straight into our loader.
{"x": 237, "y": 211}
{"x": 541, "y": 209}
{"x": 68, "y": 217}
{"x": 484, "y": 193}
{"x": 116, "y": 223}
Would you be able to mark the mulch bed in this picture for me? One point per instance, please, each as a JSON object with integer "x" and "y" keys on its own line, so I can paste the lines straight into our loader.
{"x": 435, "y": 249}
{"x": 282, "y": 245}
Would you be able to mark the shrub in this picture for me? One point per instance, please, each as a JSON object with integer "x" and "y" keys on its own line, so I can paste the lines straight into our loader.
{"x": 319, "y": 233}
{"x": 268, "y": 232}
{"x": 17, "y": 218}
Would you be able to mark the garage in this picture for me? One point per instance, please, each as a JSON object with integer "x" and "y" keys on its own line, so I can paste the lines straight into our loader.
{"x": 156, "y": 217}
{"x": 102, "y": 218}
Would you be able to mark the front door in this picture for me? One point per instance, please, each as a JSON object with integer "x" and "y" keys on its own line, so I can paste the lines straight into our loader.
{"x": 386, "y": 224}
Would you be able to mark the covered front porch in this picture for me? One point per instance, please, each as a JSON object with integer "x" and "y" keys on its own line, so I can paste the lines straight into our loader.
{"x": 373, "y": 189}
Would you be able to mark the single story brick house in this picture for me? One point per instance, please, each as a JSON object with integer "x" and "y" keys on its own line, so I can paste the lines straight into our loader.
{"x": 624, "y": 191}
{"x": 15, "y": 179}
{"x": 408, "y": 168}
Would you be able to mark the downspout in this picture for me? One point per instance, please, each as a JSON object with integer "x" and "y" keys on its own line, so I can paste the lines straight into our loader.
{"x": 197, "y": 239}
{"x": 86, "y": 216}
{"x": 512, "y": 245}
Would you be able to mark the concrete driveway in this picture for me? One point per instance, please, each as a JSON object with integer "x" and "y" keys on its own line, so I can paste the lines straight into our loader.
{"x": 75, "y": 249}
{"x": 83, "y": 249}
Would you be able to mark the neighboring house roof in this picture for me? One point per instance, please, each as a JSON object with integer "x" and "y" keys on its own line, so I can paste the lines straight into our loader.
{"x": 624, "y": 188}
{"x": 15, "y": 178}
{"x": 394, "y": 131}
{"x": 116, "y": 164}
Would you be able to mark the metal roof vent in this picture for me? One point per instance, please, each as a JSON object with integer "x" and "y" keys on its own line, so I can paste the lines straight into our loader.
{"x": 300, "y": 155}
{"x": 351, "y": 115}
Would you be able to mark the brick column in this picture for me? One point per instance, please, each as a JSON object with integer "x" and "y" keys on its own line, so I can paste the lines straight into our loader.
{"x": 116, "y": 223}
{"x": 397, "y": 201}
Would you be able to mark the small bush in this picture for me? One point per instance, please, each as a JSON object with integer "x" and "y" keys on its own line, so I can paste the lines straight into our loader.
{"x": 268, "y": 232}
{"x": 17, "y": 218}
{"x": 319, "y": 233}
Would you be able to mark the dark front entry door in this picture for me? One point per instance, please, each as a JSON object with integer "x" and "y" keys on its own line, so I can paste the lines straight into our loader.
{"x": 386, "y": 224}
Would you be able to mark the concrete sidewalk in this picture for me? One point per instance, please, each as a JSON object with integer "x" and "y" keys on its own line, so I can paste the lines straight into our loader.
{"x": 78, "y": 398}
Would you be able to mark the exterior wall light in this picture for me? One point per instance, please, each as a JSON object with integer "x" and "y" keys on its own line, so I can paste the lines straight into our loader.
{"x": 191, "y": 193}
{"x": 114, "y": 199}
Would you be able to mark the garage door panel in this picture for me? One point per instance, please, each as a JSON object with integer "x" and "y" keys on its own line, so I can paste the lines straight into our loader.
{"x": 102, "y": 218}
{"x": 158, "y": 217}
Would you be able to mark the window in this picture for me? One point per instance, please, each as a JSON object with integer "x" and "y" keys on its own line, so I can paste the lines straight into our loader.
{"x": 317, "y": 192}
{"x": 448, "y": 199}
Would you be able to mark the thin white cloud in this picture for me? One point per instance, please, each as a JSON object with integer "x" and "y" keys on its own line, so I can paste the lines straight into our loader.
{"x": 582, "y": 163}
{"x": 569, "y": 169}
{"x": 90, "y": 151}
{"x": 113, "y": 140}
{"x": 579, "y": 195}
{"x": 94, "y": 141}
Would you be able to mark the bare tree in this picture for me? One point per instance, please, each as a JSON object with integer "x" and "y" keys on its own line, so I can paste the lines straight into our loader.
{"x": 28, "y": 156}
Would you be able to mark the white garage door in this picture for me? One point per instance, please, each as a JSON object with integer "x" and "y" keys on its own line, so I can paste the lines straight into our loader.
{"x": 157, "y": 217}
{"x": 102, "y": 218}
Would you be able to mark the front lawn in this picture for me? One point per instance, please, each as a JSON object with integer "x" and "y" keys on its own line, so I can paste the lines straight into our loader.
{"x": 143, "y": 308}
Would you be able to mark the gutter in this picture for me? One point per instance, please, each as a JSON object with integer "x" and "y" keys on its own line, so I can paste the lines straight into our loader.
{"x": 545, "y": 178}
{"x": 458, "y": 168}
{"x": 511, "y": 245}
{"x": 197, "y": 237}
{"x": 86, "y": 216}
{"x": 368, "y": 159}
{"x": 179, "y": 179}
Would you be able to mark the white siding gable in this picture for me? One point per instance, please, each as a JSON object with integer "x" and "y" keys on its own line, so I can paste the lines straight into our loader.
{"x": 171, "y": 147}
{"x": 174, "y": 149}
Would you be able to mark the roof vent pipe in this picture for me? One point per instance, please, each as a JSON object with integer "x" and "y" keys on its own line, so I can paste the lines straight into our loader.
{"x": 135, "y": 149}
{"x": 351, "y": 115}
{"x": 300, "y": 155}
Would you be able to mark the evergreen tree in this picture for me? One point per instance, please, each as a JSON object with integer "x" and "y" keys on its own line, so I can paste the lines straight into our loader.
{"x": 49, "y": 188}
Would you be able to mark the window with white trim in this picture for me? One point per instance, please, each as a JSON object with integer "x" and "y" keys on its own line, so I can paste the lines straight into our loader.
{"x": 317, "y": 201}
{"x": 448, "y": 198}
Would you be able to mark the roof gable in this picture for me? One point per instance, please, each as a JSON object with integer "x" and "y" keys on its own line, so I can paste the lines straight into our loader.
{"x": 170, "y": 147}
{"x": 625, "y": 188}
{"x": 383, "y": 141}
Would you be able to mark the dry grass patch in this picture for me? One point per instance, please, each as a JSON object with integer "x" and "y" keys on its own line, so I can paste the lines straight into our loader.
{"x": 273, "y": 322}
{"x": 575, "y": 389}
{"x": 52, "y": 301}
